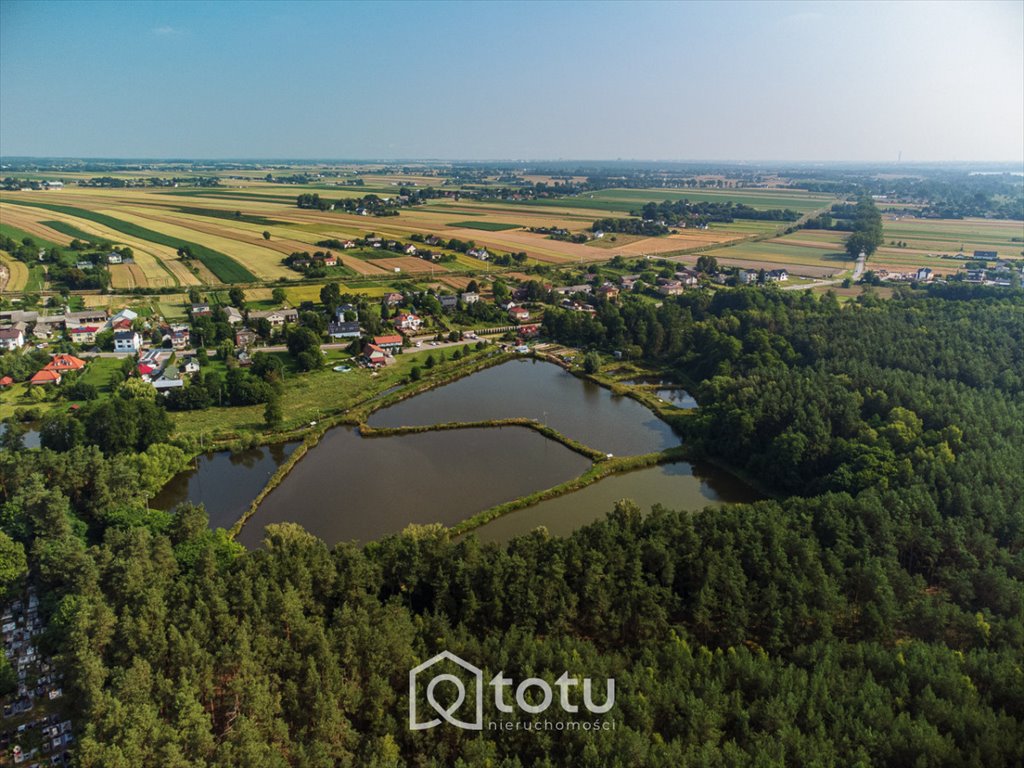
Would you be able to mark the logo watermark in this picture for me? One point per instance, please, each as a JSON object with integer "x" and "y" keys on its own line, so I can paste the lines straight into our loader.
{"x": 465, "y": 708}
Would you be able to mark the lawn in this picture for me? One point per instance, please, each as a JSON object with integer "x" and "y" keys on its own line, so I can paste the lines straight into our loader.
{"x": 99, "y": 371}
{"x": 487, "y": 226}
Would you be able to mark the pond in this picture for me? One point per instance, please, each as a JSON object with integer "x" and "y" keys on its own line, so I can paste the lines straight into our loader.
{"x": 351, "y": 487}
{"x": 540, "y": 390}
{"x": 29, "y": 438}
{"x": 678, "y": 485}
{"x": 225, "y": 483}
{"x": 676, "y": 397}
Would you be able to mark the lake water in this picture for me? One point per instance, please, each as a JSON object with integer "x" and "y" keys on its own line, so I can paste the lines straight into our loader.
{"x": 362, "y": 488}
{"x": 225, "y": 483}
{"x": 353, "y": 488}
{"x": 29, "y": 438}
{"x": 539, "y": 390}
{"x": 679, "y": 485}
{"x": 677, "y": 397}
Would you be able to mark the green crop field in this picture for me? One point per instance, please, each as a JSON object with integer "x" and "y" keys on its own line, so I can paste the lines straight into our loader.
{"x": 625, "y": 200}
{"x": 17, "y": 234}
{"x": 71, "y": 231}
{"x": 223, "y": 266}
{"x": 487, "y": 226}
{"x": 220, "y": 213}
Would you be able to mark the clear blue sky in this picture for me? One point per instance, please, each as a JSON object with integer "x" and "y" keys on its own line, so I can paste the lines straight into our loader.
{"x": 535, "y": 80}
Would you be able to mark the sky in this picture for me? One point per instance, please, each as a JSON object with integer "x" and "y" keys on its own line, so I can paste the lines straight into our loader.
{"x": 767, "y": 81}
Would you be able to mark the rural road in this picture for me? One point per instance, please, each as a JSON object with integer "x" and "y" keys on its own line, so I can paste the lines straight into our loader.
{"x": 859, "y": 269}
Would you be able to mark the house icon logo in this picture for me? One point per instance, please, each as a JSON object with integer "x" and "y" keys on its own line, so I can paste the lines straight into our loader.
{"x": 453, "y": 692}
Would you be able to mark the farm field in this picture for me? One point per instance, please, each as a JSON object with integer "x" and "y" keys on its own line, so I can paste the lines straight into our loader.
{"x": 948, "y": 235}
{"x": 625, "y": 200}
{"x": 14, "y": 275}
{"x": 487, "y": 226}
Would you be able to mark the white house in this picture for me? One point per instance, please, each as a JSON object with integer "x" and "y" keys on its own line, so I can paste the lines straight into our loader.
{"x": 408, "y": 321}
{"x": 12, "y": 338}
{"x": 127, "y": 341}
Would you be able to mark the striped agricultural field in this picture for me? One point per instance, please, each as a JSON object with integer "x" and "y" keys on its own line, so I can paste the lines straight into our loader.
{"x": 222, "y": 265}
{"x": 247, "y": 262}
{"x": 158, "y": 263}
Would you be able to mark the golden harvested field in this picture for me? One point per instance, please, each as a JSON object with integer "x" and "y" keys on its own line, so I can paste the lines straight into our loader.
{"x": 127, "y": 276}
{"x": 13, "y": 274}
{"x": 261, "y": 261}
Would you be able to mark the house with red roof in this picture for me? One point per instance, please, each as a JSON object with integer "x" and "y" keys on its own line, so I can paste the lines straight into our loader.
{"x": 375, "y": 356}
{"x": 6, "y": 381}
{"x": 46, "y": 376}
{"x": 392, "y": 343}
{"x": 519, "y": 314}
{"x": 65, "y": 363}
{"x": 407, "y": 321}
{"x": 84, "y": 335}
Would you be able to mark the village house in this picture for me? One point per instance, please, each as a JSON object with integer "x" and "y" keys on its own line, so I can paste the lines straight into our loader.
{"x": 276, "y": 317}
{"x": 776, "y": 276}
{"x": 45, "y": 377}
{"x": 392, "y": 299}
{"x": 629, "y": 282}
{"x": 924, "y": 274}
{"x": 608, "y": 291}
{"x": 519, "y": 314}
{"x": 343, "y": 330}
{"x": 408, "y": 321}
{"x": 375, "y": 356}
{"x": 190, "y": 366}
{"x": 410, "y": 250}
{"x": 124, "y": 315}
{"x": 114, "y": 258}
{"x": 670, "y": 287}
{"x": 12, "y": 338}
{"x": 470, "y": 297}
{"x": 84, "y": 335}
{"x": 180, "y": 338}
{"x": 62, "y": 362}
{"x": 234, "y": 316}
{"x": 448, "y": 301}
{"x": 87, "y": 317}
{"x": 392, "y": 343}
{"x": 986, "y": 255}
{"x": 6, "y": 381}
{"x": 528, "y": 331}
{"x": 200, "y": 310}
{"x": 433, "y": 240}
{"x": 746, "y": 276}
{"x": 479, "y": 253}
{"x": 127, "y": 341}
{"x": 348, "y": 244}
{"x": 687, "y": 277}
{"x": 569, "y": 290}
{"x": 245, "y": 337}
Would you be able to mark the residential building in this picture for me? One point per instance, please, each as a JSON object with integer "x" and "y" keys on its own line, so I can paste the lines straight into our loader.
{"x": 687, "y": 277}
{"x": 114, "y": 258}
{"x": 924, "y": 274}
{"x": 45, "y": 376}
{"x": 87, "y": 317}
{"x": 448, "y": 300}
{"x": 470, "y": 297}
{"x": 343, "y": 330}
{"x": 392, "y": 299}
{"x": 375, "y": 356}
{"x": 127, "y": 341}
{"x": 410, "y": 250}
{"x": 234, "y": 316}
{"x": 124, "y": 315}
{"x": 479, "y": 253}
{"x": 63, "y": 362}
{"x": 245, "y": 337}
{"x": 670, "y": 288}
{"x": 776, "y": 276}
{"x": 84, "y": 335}
{"x": 392, "y": 343}
{"x": 986, "y": 255}
{"x": 519, "y": 314}
{"x": 276, "y": 317}
{"x": 608, "y": 291}
{"x": 407, "y": 321}
{"x": 12, "y": 338}
{"x": 200, "y": 310}
{"x": 746, "y": 276}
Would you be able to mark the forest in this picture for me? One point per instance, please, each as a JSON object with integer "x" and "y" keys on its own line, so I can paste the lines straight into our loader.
{"x": 870, "y": 612}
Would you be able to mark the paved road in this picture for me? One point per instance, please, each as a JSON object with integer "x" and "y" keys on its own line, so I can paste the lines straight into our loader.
{"x": 859, "y": 269}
